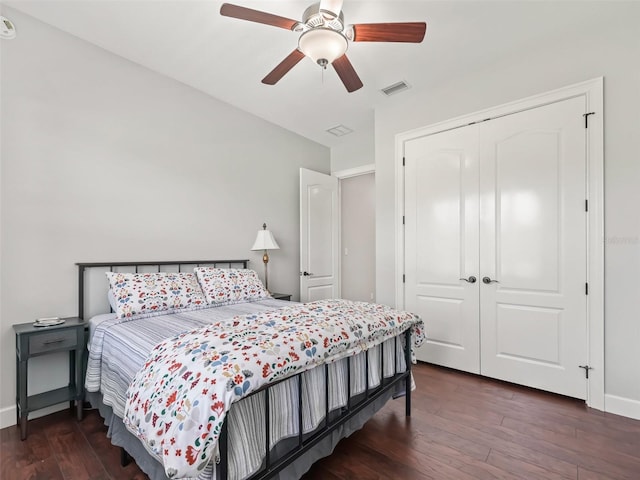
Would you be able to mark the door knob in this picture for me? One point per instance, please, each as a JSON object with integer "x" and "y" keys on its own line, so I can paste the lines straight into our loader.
{"x": 487, "y": 280}
{"x": 471, "y": 279}
{"x": 307, "y": 274}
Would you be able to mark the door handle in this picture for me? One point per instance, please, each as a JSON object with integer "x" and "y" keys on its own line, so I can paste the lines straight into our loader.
{"x": 471, "y": 279}
{"x": 487, "y": 280}
{"x": 307, "y": 274}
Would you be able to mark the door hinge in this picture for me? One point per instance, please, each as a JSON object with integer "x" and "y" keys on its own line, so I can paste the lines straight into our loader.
{"x": 586, "y": 205}
{"x": 586, "y": 370}
{"x": 403, "y": 161}
{"x": 403, "y": 278}
{"x": 403, "y": 219}
{"x": 586, "y": 118}
{"x": 586, "y": 289}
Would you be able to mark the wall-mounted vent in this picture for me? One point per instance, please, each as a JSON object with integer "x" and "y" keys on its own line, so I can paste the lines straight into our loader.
{"x": 7, "y": 29}
{"x": 395, "y": 88}
{"x": 339, "y": 130}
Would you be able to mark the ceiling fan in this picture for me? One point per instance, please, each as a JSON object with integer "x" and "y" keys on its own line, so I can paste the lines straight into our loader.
{"x": 325, "y": 37}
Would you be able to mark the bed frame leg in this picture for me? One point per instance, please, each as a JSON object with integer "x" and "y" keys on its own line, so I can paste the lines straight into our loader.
{"x": 125, "y": 458}
{"x": 223, "y": 446}
{"x": 407, "y": 396}
{"x": 407, "y": 382}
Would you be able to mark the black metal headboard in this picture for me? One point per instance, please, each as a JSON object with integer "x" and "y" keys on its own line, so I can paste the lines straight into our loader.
{"x": 135, "y": 266}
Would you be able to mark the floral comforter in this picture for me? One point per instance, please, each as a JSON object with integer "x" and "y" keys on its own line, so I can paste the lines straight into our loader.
{"x": 177, "y": 402}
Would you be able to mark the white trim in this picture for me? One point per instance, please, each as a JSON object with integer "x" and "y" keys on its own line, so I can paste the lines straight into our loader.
{"x": 595, "y": 242}
{"x": 399, "y": 236}
{"x": 339, "y": 238}
{"x": 505, "y": 109}
{"x": 622, "y": 406}
{"x": 592, "y": 90}
{"x": 8, "y": 414}
{"x": 354, "y": 172}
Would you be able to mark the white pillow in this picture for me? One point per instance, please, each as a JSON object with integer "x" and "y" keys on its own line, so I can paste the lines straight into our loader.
{"x": 230, "y": 285}
{"x": 149, "y": 293}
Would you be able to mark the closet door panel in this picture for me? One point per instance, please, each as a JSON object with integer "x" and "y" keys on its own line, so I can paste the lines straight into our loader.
{"x": 528, "y": 201}
{"x": 533, "y": 248}
{"x": 441, "y": 245}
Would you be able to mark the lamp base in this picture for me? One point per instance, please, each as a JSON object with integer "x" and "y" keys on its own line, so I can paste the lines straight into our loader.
{"x": 265, "y": 259}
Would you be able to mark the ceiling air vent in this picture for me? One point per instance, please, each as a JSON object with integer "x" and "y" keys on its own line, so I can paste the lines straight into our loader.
{"x": 395, "y": 88}
{"x": 339, "y": 130}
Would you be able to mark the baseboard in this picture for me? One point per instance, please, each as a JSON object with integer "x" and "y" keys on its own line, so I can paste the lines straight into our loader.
{"x": 8, "y": 414}
{"x": 622, "y": 406}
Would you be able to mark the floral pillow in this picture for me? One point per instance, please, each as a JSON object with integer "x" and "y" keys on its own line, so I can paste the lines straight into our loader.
{"x": 230, "y": 285}
{"x": 152, "y": 293}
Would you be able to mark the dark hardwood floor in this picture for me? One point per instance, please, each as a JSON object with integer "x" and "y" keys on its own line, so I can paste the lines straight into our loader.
{"x": 463, "y": 427}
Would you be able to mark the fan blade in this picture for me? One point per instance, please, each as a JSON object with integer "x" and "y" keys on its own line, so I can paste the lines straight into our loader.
{"x": 347, "y": 74}
{"x": 283, "y": 67}
{"x": 257, "y": 16}
{"x": 410, "y": 32}
{"x": 333, "y": 6}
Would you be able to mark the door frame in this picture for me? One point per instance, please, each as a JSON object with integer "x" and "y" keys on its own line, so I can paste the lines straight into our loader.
{"x": 341, "y": 175}
{"x": 592, "y": 91}
{"x": 356, "y": 171}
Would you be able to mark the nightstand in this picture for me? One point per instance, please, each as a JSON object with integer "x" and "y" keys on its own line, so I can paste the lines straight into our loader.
{"x": 34, "y": 341}
{"x": 282, "y": 296}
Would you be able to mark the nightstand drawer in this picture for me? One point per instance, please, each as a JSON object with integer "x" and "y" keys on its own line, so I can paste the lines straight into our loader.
{"x": 47, "y": 342}
{"x": 281, "y": 296}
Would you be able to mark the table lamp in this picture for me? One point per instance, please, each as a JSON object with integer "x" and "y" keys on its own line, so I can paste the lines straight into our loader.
{"x": 265, "y": 241}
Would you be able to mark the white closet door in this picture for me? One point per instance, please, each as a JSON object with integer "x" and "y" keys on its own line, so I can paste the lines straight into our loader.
{"x": 533, "y": 242}
{"x": 441, "y": 245}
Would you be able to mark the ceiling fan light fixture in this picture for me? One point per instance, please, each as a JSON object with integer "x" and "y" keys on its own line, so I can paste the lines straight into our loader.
{"x": 323, "y": 45}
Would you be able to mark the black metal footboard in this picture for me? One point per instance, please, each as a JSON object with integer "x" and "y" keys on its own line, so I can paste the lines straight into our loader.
{"x": 270, "y": 466}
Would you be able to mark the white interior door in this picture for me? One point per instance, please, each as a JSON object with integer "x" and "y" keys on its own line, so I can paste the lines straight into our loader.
{"x": 319, "y": 236}
{"x": 533, "y": 248}
{"x": 441, "y": 245}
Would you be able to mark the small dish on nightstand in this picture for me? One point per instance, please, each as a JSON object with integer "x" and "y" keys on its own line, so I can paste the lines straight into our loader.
{"x": 48, "y": 321}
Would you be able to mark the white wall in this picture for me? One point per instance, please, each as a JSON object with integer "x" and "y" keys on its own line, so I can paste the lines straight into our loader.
{"x": 355, "y": 149}
{"x": 358, "y": 242}
{"x": 103, "y": 160}
{"x": 613, "y": 52}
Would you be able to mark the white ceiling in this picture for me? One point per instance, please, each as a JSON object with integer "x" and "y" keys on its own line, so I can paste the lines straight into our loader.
{"x": 227, "y": 58}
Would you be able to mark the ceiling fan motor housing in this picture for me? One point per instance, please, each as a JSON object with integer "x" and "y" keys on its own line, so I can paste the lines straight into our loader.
{"x": 314, "y": 17}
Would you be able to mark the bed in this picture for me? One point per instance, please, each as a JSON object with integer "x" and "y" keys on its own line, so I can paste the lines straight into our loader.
{"x": 272, "y": 427}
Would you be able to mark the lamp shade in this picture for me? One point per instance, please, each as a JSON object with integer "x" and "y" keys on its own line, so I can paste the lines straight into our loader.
{"x": 265, "y": 241}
